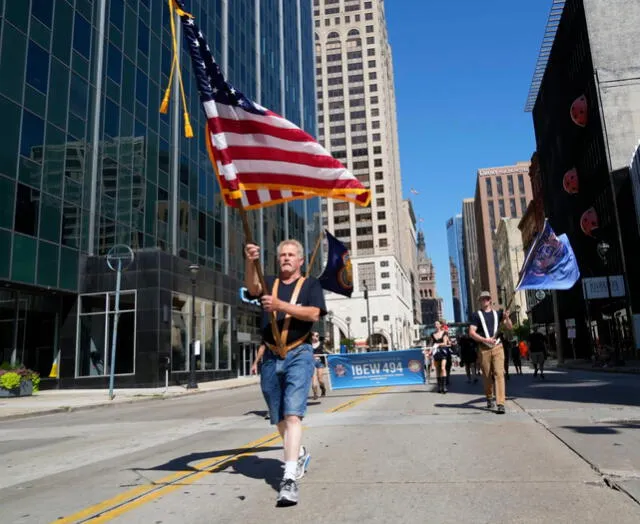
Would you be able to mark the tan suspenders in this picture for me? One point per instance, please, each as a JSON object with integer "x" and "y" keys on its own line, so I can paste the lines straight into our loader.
{"x": 287, "y": 320}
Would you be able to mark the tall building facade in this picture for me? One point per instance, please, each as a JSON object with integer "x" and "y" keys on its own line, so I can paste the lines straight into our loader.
{"x": 500, "y": 192}
{"x": 89, "y": 162}
{"x": 510, "y": 259}
{"x": 431, "y": 305}
{"x": 470, "y": 241}
{"x": 457, "y": 270}
{"x": 586, "y": 119}
{"x": 357, "y": 124}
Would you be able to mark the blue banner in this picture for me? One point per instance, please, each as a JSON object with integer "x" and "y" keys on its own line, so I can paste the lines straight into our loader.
{"x": 550, "y": 263}
{"x": 380, "y": 368}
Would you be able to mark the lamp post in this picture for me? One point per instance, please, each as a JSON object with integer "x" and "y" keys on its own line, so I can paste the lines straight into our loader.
{"x": 330, "y": 320}
{"x": 192, "y": 384}
{"x": 603, "y": 248}
{"x": 348, "y": 321}
{"x": 366, "y": 297}
{"x": 517, "y": 310}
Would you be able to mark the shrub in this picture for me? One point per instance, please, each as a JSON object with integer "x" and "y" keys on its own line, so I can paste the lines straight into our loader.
{"x": 10, "y": 380}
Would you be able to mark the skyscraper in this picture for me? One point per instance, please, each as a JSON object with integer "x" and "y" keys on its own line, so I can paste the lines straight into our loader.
{"x": 457, "y": 269}
{"x": 470, "y": 241}
{"x": 500, "y": 192}
{"x": 88, "y": 162}
{"x": 357, "y": 123}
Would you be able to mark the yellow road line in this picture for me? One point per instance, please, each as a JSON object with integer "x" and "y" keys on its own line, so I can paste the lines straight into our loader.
{"x": 108, "y": 509}
{"x": 355, "y": 401}
{"x": 174, "y": 480}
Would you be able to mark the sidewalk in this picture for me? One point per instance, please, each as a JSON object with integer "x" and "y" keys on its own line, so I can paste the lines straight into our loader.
{"x": 64, "y": 400}
{"x": 631, "y": 366}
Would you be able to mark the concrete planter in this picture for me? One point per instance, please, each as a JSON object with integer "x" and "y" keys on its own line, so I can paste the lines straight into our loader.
{"x": 25, "y": 390}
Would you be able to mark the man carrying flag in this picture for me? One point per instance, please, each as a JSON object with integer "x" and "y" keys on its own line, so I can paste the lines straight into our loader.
{"x": 286, "y": 376}
{"x": 261, "y": 159}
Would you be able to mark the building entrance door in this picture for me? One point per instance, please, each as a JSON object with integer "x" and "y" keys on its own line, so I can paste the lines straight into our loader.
{"x": 248, "y": 352}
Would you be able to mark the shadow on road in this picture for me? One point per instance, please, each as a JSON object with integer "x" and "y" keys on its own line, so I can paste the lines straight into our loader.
{"x": 604, "y": 429}
{"x": 267, "y": 469}
{"x": 185, "y": 462}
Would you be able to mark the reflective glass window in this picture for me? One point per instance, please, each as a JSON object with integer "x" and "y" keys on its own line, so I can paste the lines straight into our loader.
{"x": 32, "y": 133}
{"x": 47, "y": 264}
{"x": 42, "y": 10}
{"x": 50, "y": 218}
{"x": 82, "y": 35}
{"x": 12, "y": 64}
{"x": 26, "y": 213}
{"x": 7, "y": 194}
{"x": 37, "y": 67}
{"x": 23, "y": 267}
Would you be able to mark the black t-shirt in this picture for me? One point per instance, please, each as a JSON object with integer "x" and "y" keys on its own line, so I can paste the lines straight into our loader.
{"x": 536, "y": 342}
{"x": 438, "y": 340}
{"x": 488, "y": 318}
{"x": 310, "y": 295}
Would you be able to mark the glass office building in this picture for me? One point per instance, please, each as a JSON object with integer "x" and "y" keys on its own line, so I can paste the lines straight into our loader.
{"x": 87, "y": 162}
{"x": 457, "y": 272}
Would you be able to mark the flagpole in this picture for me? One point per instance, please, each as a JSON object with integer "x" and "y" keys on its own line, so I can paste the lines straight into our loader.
{"x": 315, "y": 252}
{"x": 249, "y": 240}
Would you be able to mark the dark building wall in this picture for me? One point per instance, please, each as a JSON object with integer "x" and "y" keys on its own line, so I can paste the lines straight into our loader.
{"x": 563, "y": 145}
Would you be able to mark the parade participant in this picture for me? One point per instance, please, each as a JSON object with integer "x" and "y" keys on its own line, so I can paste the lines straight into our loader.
{"x": 297, "y": 302}
{"x": 538, "y": 351}
{"x": 440, "y": 352}
{"x": 318, "y": 378}
{"x": 484, "y": 329}
{"x": 428, "y": 362}
{"x": 469, "y": 355}
{"x": 515, "y": 356}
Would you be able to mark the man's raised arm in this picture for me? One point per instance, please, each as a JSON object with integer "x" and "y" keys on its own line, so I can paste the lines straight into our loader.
{"x": 251, "y": 281}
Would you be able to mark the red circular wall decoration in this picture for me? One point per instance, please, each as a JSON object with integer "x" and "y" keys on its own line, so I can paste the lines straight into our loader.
{"x": 570, "y": 181}
{"x": 579, "y": 111}
{"x": 589, "y": 221}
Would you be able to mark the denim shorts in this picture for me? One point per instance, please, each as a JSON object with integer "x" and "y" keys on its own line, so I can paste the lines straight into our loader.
{"x": 285, "y": 382}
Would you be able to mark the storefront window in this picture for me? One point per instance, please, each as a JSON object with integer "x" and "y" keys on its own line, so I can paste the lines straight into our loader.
{"x": 179, "y": 333}
{"x": 96, "y": 314}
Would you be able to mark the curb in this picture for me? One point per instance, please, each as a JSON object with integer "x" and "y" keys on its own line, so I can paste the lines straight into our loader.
{"x": 110, "y": 404}
{"x": 627, "y": 371}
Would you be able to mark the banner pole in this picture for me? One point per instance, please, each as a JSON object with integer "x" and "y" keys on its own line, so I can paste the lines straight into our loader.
{"x": 315, "y": 252}
{"x": 249, "y": 240}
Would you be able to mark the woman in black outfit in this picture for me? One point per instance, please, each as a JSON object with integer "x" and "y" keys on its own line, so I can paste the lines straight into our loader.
{"x": 440, "y": 343}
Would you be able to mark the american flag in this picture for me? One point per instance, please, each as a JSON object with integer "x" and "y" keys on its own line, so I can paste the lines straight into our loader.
{"x": 260, "y": 158}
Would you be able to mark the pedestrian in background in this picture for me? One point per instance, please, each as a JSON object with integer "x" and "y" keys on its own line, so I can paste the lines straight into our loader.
{"x": 538, "y": 352}
{"x": 440, "y": 352}
{"x": 469, "y": 356}
{"x": 318, "y": 378}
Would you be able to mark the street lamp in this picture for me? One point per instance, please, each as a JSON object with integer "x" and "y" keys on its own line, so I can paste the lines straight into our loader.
{"x": 192, "y": 384}
{"x": 330, "y": 320}
{"x": 517, "y": 310}
{"x": 366, "y": 297}
{"x": 602, "y": 249}
{"x": 348, "y": 321}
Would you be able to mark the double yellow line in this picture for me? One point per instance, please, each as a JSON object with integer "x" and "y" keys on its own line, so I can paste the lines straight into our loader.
{"x": 108, "y": 509}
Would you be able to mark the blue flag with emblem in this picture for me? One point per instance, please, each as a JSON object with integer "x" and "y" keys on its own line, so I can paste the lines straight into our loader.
{"x": 550, "y": 263}
{"x": 337, "y": 275}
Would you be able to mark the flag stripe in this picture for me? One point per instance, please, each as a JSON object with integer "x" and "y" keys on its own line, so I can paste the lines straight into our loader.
{"x": 260, "y": 157}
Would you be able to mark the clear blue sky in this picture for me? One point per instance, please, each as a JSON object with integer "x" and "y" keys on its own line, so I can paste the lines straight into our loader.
{"x": 462, "y": 75}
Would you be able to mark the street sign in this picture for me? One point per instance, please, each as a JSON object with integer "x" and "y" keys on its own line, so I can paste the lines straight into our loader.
{"x": 570, "y": 322}
{"x": 598, "y": 287}
{"x": 571, "y": 333}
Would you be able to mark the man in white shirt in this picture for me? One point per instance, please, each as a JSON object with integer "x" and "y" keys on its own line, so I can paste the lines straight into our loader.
{"x": 485, "y": 330}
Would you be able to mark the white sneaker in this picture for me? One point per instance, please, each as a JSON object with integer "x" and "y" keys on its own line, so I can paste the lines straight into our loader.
{"x": 303, "y": 462}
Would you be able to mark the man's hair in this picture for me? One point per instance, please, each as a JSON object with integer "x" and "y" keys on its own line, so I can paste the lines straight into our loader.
{"x": 291, "y": 242}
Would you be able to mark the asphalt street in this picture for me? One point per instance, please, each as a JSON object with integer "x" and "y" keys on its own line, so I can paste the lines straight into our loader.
{"x": 568, "y": 450}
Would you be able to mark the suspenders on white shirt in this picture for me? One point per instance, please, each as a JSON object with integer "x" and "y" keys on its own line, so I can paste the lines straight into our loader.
{"x": 484, "y": 325}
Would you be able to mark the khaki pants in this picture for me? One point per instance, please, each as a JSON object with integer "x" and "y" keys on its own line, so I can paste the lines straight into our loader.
{"x": 492, "y": 363}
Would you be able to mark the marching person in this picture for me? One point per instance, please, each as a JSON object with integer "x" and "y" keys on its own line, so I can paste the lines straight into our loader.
{"x": 287, "y": 369}
{"x": 318, "y": 378}
{"x": 469, "y": 355}
{"x": 484, "y": 329}
{"x": 440, "y": 343}
{"x": 538, "y": 352}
